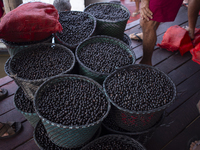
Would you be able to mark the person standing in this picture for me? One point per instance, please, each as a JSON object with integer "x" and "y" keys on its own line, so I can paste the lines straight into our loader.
{"x": 62, "y": 5}
{"x": 152, "y": 12}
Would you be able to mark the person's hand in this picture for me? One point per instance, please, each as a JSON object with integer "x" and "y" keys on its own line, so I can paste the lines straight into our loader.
{"x": 145, "y": 12}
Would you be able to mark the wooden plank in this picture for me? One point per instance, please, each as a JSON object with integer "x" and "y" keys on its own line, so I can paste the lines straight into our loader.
{"x": 7, "y": 105}
{"x": 182, "y": 141}
{"x": 174, "y": 123}
{"x": 13, "y": 115}
{"x": 185, "y": 90}
{"x": 25, "y": 135}
{"x": 184, "y": 72}
{"x": 5, "y": 80}
{"x": 29, "y": 145}
{"x": 11, "y": 87}
{"x": 173, "y": 62}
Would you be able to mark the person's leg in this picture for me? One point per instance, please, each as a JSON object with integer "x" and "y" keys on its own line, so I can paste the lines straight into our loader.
{"x": 137, "y": 4}
{"x": 193, "y": 10}
{"x": 149, "y": 39}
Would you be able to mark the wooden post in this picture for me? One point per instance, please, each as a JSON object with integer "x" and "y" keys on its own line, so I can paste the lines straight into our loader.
{"x": 11, "y": 4}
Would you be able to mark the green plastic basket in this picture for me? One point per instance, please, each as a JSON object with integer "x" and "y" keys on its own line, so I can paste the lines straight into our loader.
{"x": 44, "y": 139}
{"x": 30, "y": 86}
{"x": 76, "y": 14}
{"x": 31, "y": 117}
{"x": 68, "y": 136}
{"x": 136, "y": 121}
{"x": 14, "y": 47}
{"x": 115, "y": 138}
{"x": 114, "y": 28}
{"x": 98, "y": 76}
{"x": 111, "y": 127}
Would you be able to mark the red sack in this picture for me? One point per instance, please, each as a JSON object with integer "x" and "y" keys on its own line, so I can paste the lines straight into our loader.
{"x": 196, "y": 53}
{"x": 33, "y": 21}
{"x": 196, "y": 40}
{"x": 176, "y": 38}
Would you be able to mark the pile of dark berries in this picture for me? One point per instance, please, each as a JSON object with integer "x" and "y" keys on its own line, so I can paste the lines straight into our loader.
{"x": 110, "y": 143}
{"x": 104, "y": 57}
{"x": 110, "y": 12}
{"x": 22, "y": 102}
{"x": 43, "y": 140}
{"x": 41, "y": 62}
{"x": 139, "y": 89}
{"x": 77, "y": 26}
{"x": 72, "y": 102}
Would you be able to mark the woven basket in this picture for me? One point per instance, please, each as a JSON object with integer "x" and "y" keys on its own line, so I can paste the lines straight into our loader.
{"x": 68, "y": 136}
{"x": 126, "y": 39}
{"x": 30, "y": 86}
{"x": 108, "y": 27}
{"x": 45, "y": 139}
{"x": 14, "y": 47}
{"x": 111, "y": 127}
{"x": 136, "y": 121}
{"x": 31, "y": 117}
{"x": 75, "y": 44}
{"x": 98, "y": 76}
{"x": 125, "y": 140}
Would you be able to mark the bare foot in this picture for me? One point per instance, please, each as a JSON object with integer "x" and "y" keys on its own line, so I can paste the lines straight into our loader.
{"x": 191, "y": 32}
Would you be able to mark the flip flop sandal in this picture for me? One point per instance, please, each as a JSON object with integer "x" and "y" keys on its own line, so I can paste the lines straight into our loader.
{"x": 9, "y": 129}
{"x": 136, "y": 38}
{"x": 3, "y": 93}
{"x": 193, "y": 139}
{"x": 134, "y": 14}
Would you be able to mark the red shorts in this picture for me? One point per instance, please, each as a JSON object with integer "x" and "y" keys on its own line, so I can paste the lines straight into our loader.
{"x": 164, "y": 10}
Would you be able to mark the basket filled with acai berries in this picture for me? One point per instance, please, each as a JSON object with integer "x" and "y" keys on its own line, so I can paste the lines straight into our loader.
{"x": 139, "y": 94}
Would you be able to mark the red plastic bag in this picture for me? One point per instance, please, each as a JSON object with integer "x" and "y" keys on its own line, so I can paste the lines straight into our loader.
{"x": 196, "y": 40}
{"x": 196, "y": 53}
{"x": 176, "y": 38}
{"x": 33, "y": 21}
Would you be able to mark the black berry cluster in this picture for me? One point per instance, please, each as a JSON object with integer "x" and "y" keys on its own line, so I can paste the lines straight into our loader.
{"x": 77, "y": 26}
{"x": 110, "y": 12}
{"x": 72, "y": 102}
{"x": 22, "y": 102}
{"x": 139, "y": 89}
{"x": 41, "y": 62}
{"x": 43, "y": 140}
{"x": 104, "y": 57}
{"x": 112, "y": 144}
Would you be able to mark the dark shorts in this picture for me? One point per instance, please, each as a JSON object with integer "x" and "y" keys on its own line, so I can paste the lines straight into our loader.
{"x": 164, "y": 10}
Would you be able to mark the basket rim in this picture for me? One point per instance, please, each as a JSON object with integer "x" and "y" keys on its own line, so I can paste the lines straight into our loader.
{"x": 74, "y": 45}
{"x": 77, "y": 77}
{"x": 141, "y": 112}
{"x": 158, "y": 123}
{"x": 9, "y": 43}
{"x": 114, "y": 136}
{"x": 109, "y": 3}
{"x": 7, "y": 65}
{"x": 39, "y": 44}
{"x": 98, "y": 37}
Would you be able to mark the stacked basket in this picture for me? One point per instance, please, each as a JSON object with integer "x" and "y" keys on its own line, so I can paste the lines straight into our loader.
{"x": 77, "y": 26}
{"x": 71, "y": 108}
{"x": 139, "y": 95}
{"x": 98, "y": 56}
{"x": 32, "y": 66}
{"x": 111, "y": 18}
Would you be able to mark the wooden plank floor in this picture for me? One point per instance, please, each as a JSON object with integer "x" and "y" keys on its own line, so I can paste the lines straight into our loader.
{"x": 182, "y": 119}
